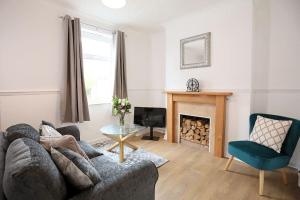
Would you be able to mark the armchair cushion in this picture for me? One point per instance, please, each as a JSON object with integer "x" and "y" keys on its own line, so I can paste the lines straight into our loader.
{"x": 270, "y": 132}
{"x": 257, "y": 155}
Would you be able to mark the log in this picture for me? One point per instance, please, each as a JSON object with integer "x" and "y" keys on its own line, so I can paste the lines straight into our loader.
{"x": 187, "y": 122}
{"x": 189, "y": 137}
{"x": 199, "y": 123}
{"x": 195, "y": 131}
{"x": 190, "y": 133}
{"x": 197, "y": 137}
{"x": 202, "y": 132}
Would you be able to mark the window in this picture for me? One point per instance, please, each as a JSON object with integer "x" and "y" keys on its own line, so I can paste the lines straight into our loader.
{"x": 97, "y": 50}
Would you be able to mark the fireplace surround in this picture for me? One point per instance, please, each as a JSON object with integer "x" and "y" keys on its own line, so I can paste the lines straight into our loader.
{"x": 195, "y": 103}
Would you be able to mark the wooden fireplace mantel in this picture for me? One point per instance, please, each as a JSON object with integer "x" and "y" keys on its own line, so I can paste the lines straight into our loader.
{"x": 205, "y": 97}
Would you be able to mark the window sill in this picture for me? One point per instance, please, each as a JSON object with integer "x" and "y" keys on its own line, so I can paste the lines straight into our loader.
{"x": 98, "y": 104}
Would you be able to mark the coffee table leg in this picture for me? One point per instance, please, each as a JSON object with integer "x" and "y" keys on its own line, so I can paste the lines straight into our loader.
{"x": 131, "y": 145}
{"x": 121, "y": 149}
{"x": 113, "y": 146}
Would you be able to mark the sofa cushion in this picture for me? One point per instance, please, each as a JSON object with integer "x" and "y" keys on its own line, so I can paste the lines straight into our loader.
{"x": 90, "y": 151}
{"x": 3, "y": 148}
{"x": 257, "y": 155}
{"x": 30, "y": 173}
{"x": 122, "y": 182}
{"x": 20, "y": 131}
{"x": 79, "y": 172}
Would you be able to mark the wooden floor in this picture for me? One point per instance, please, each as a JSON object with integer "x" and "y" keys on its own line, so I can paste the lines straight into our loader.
{"x": 194, "y": 174}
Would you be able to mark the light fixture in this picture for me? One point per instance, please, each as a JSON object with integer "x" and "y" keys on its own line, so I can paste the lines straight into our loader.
{"x": 114, "y": 3}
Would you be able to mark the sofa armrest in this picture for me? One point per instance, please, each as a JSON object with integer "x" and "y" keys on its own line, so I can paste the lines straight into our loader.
{"x": 70, "y": 130}
{"x": 135, "y": 183}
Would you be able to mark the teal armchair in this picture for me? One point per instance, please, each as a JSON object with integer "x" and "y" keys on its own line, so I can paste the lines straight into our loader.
{"x": 262, "y": 157}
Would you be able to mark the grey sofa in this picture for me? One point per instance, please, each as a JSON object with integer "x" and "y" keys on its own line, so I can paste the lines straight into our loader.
{"x": 44, "y": 181}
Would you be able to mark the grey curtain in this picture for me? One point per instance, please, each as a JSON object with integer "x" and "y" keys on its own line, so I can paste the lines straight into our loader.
{"x": 120, "y": 85}
{"x": 76, "y": 105}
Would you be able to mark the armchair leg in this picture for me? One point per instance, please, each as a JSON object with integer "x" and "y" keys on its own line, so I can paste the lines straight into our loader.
{"x": 284, "y": 177}
{"x": 228, "y": 163}
{"x": 261, "y": 181}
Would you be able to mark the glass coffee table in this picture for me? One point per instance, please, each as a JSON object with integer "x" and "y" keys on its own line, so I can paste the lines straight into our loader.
{"x": 120, "y": 134}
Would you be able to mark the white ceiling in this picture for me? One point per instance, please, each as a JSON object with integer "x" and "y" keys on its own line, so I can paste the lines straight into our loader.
{"x": 148, "y": 14}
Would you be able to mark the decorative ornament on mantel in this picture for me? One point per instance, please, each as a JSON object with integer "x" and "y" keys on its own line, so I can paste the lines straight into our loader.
{"x": 192, "y": 85}
{"x": 120, "y": 107}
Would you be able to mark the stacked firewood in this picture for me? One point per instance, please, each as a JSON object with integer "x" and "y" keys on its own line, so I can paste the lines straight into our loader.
{"x": 195, "y": 131}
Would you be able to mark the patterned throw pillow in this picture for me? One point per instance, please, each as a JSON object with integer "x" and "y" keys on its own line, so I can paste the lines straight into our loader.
{"x": 78, "y": 171}
{"x": 48, "y": 131}
{"x": 48, "y": 124}
{"x": 269, "y": 132}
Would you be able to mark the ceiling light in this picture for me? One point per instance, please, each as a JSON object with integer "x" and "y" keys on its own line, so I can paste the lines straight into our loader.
{"x": 114, "y": 3}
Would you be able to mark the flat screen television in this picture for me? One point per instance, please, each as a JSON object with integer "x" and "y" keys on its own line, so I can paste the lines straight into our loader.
{"x": 150, "y": 117}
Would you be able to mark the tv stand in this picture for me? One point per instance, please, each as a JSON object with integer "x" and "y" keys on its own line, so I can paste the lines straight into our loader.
{"x": 150, "y": 137}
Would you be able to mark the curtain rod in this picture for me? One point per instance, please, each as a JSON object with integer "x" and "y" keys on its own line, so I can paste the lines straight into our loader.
{"x": 111, "y": 30}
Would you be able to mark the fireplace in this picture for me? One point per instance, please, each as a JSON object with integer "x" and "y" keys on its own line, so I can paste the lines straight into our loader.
{"x": 205, "y": 103}
{"x": 194, "y": 129}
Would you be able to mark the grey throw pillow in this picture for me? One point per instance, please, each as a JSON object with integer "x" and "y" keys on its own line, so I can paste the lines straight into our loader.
{"x": 90, "y": 151}
{"x": 3, "y": 149}
{"x": 21, "y": 131}
{"x": 30, "y": 173}
{"x": 79, "y": 172}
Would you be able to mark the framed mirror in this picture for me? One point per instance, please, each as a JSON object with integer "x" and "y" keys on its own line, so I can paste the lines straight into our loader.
{"x": 195, "y": 51}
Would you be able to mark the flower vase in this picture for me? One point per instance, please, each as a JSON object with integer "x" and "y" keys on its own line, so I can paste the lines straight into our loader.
{"x": 122, "y": 122}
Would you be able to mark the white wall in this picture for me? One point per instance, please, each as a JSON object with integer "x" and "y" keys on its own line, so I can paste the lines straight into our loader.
{"x": 31, "y": 62}
{"x": 230, "y": 23}
{"x": 276, "y": 60}
{"x": 157, "y": 70}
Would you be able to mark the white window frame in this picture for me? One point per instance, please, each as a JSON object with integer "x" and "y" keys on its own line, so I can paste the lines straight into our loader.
{"x": 97, "y": 33}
